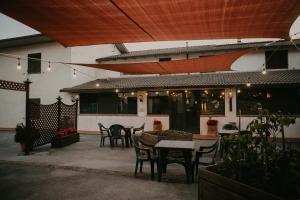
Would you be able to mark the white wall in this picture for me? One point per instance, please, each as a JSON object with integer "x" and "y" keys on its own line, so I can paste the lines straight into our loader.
{"x": 47, "y": 85}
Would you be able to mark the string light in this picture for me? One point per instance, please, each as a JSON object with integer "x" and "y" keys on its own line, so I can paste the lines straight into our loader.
{"x": 132, "y": 93}
{"x": 157, "y": 93}
{"x": 168, "y": 92}
{"x": 264, "y": 70}
{"x": 116, "y": 90}
{"x": 19, "y": 67}
{"x": 248, "y": 84}
{"x": 146, "y": 93}
{"x": 238, "y": 91}
{"x": 49, "y": 67}
{"x": 97, "y": 85}
{"x": 74, "y": 73}
{"x": 185, "y": 91}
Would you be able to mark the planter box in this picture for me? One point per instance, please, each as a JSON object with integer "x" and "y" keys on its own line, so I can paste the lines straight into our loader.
{"x": 154, "y": 137}
{"x": 213, "y": 186}
{"x": 212, "y": 130}
{"x": 61, "y": 141}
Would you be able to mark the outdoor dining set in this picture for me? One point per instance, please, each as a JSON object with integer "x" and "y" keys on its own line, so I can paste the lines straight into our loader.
{"x": 163, "y": 152}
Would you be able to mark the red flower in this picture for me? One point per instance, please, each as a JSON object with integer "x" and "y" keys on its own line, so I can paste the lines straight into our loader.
{"x": 212, "y": 122}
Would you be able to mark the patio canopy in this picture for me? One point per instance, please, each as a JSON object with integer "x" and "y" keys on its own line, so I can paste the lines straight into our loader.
{"x": 221, "y": 62}
{"x": 88, "y": 22}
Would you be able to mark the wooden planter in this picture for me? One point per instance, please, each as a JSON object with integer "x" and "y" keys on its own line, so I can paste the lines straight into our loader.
{"x": 153, "y": 138}
{"x": 213, "y": 186}
{"x": 61, "y": 141}
{"x": 157, "y": 127}
{"x": 212, "y": 130}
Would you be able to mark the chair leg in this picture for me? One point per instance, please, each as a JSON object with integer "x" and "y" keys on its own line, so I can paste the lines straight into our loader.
{"x": 136, "y": 167}
{"x": 152, "y": 170}
{"x": 122, "y": 143}
{"x": 141, "y": 166}
{"x": 103, "y": 141}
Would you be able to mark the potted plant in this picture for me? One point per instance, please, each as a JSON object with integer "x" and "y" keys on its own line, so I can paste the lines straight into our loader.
{"x": 26, "y": 137}
{"x": 212, "y": 126}
{"x": 157, "y": 125}
{"x": 255, "y": 167}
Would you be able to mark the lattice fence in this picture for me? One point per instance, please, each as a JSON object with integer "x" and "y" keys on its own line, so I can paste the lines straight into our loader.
{"x": 10, "y": 85}
{"x": 48, "y": 119}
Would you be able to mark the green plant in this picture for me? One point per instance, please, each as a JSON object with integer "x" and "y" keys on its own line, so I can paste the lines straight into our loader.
{"x": 26, "y": 136}
{"x": 261, "y": 161}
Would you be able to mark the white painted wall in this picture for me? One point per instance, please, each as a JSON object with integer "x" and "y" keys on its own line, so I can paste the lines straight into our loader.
{"x": 46, "y": 85}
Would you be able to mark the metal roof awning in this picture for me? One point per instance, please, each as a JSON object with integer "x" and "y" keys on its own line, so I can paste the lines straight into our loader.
{"x": 205, "y": 80}
{"x": 90, "y": 22}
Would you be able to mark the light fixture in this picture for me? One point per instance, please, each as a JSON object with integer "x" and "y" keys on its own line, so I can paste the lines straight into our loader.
{"x": 49, "y": 67}
{"x": 146, "y": 93}
{"x": 97, "y": 85}
{"x": 168, "y": 92}
{"x": 116, "y": 90}
{"x": 248, "y": 84}
{"x": 19, "y": 67}
{"x": 230, "y": 94}
{"x": 238, "y": 91}
{"x": 264, "y": 70}
{"x": 205, "y": 91}
{"x": 185, "y": 91}
{"x": 157, "y": 93}
{"x": 74, "y": 73}
{"x": 132, "y": 93}
{"x": 223, "y": 93}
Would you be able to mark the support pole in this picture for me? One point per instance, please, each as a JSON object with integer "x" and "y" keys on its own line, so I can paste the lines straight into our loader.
{"x": 58, "y": 112}
{"x": 76, "y": 114}
{"x": 27, "y": 116}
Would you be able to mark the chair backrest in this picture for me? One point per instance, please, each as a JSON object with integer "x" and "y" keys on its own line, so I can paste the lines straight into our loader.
{"x": 143, "y": 126}
{"x": 116, "y": 130}
{"x": 102, "y": 128}
{"x": 136, "y": 144}
{"x": 214, "y": 149}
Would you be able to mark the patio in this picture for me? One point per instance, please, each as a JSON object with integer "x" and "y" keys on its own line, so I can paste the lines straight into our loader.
{"x": 86, "y": 156}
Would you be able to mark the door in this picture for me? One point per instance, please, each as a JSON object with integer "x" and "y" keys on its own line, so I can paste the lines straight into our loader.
{"x": 184, "y": 111}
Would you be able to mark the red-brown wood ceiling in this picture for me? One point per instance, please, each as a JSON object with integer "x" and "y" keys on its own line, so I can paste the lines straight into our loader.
{"x": 88, "y": 22}
{"x": 220, "y": 62}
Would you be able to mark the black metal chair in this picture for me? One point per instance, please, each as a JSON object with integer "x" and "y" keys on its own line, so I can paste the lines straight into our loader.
{"x": 210, "y": 151}
{"x": 116, "y": 134}
{"x": 104, "y": 133}
{"x": 140, "y": 129}
{"x": 143, "y": 154}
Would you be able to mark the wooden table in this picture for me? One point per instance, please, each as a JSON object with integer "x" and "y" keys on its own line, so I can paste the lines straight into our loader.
{"x": 186, "y": 147}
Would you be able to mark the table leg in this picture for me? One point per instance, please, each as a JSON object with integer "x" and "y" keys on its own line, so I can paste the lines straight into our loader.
{"x": 162, "y": 156}
{"x": 127, "y": 137}
{"x": 188, "y": 166}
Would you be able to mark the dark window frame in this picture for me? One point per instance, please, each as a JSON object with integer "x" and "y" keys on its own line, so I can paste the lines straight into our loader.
{"x": 34, "y": 65}
{"x": 164, "y": 59}
{"x": 277, "y": 59}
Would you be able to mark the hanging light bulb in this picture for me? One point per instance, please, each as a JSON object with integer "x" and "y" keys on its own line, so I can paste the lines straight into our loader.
{"x": 132, "y": 93}
{"x": 264, "y": 70}
{"x": 146, "y": 93}
{"x": 49, "y": 67}
{"x": 157, "y": 93}
{"x": 185, "y": 91}
{"x": 168, "y": 92}
{"x": 116, "y": 90}
{"x": 74, "y": 73}
{"x": 248, "y": 84}
{"x": 97, "y": 85}
{"x": 238, "y": 91}
{"x": 19, "y": 67}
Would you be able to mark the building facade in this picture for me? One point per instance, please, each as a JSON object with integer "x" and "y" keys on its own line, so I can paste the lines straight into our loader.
{"x": 186, "y": 107}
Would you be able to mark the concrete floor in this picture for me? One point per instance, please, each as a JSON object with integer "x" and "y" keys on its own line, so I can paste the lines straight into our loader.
{"x": 83, "y": 171}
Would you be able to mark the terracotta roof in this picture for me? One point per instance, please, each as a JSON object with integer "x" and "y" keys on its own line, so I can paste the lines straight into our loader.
{"x": 204, "y": 80}
{"x": 202, "y": 50}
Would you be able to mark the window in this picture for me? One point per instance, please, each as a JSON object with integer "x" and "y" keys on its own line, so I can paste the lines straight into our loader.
{"x": 108, "y": 103}
{"x": 158, "y": 103}
{"x": 286, "y": 100}
{"x": 212, "y": 102}
{"x": 34, "y": 66}
{"x": 276, "y": 59}
{"x": 164, "y": 59}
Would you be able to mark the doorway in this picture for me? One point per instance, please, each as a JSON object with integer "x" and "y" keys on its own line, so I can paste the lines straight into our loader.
{"x": 184, "y": 111}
